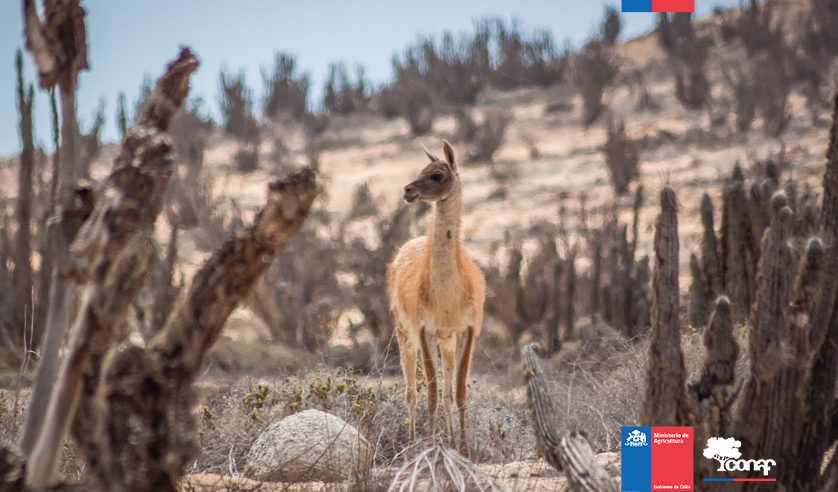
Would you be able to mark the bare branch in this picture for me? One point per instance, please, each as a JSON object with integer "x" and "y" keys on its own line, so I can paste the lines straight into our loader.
{"x": 153, "y": 389}
{"x": 107, "y": 242}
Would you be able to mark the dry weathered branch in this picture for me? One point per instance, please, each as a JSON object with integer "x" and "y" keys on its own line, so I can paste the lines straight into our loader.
{"x": 153, "y": 389}
{"x": 571, "y": 453}
{"x": 132, "y": 200}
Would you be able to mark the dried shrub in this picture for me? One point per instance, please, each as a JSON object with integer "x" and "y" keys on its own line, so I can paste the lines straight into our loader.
{"x": 610, "y": 26}
{"x": 313, "y": 151}
{"x": 741, "y": 83}
{"x": 232, "y": 418}
{"x": 816, "y": 48}
{"x": 484, "y": 139}
{"x": 286, "y": 91}
{"x": 315, "y": 123}
{"x": 621, "y": 154}
{"x": 418, "y": 109}
{"x": 187, "y": 198}
{"x": 90, "y": 141}
{"x": 773, "y": 88}
{"x": 594, "y": 69}
{"x": 620, "y": 291}
{"x": 645, "y": 100}
{"x": 768, "y": 82}
{"x": 688, "y": 55}
{"x": 342, "y": 96}
{"x": 370, "y": 267}
{"x": 121, "y": 115}
{"x": 299, "y": 296}
{"x": 142, "y": 96}
{"x": 431, "y": 76}
{"x": 522, "y": 58}
{"x": 236, "y": 102}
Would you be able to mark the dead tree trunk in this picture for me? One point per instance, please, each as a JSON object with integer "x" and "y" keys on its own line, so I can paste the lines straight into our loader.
{"x": 571, "y": 453}
{"x": 59, "y": 47}
{"x": 109, "y": 256}
{"x": 156, "y": 450}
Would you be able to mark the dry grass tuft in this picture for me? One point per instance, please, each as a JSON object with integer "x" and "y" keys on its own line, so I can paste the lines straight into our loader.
{"x": 441, "y": 468}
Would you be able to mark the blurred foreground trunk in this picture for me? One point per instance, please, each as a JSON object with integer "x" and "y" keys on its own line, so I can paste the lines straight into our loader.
{"x": 59, "y": 48}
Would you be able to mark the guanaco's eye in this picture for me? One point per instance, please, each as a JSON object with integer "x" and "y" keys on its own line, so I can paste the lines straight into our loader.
{"x": 437, "y": 177}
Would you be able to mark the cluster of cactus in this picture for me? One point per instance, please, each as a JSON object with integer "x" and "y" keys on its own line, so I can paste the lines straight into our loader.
{"x": 620, "y": 282}
{"x": 688, "y": 52}
{"x": 541, "y": 298}
{"x": 621, "y": 155}
{"x": 728, "y": 263}
{"x": 783, "y": 403}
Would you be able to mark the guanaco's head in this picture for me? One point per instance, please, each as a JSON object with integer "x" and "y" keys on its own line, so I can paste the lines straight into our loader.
{"x": 436, "y": 181}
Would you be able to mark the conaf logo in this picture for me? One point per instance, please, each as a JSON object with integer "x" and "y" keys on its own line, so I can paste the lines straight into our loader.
{"x": 726, "y": 452}
{"x": 636, "y": 439}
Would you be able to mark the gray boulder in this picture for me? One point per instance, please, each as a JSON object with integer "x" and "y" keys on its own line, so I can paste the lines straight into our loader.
{"x": 308, "y": 446}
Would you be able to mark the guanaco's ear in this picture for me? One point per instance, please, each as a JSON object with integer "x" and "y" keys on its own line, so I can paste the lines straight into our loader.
{"x": 449, "y": 154}
{"x": 432, "y": 157}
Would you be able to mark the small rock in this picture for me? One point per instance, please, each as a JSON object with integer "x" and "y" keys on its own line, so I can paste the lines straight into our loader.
{"x": 306, "y": 446}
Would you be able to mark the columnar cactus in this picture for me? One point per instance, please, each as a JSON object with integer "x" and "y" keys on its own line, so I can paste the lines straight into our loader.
{"x": 722, "y": 349}
{"x": 710, "y": 248}
{"x": 738, "y": 252}
{"x": 773, "y": 295}
{"x": 665, "y": 402}
{"x": 570, "y": 453}
{"x": 699, "y": 300}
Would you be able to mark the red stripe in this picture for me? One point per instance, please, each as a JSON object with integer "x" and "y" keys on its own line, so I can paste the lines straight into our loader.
{"x": 754, "y": 479}
{"x": 673, "y": 5}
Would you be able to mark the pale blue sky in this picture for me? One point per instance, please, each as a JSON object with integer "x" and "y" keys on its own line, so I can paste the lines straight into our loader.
{"x": 127, "y": 39}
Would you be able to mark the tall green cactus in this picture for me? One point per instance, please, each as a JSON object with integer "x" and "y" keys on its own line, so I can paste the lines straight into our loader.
{"x": 23, "y": 249}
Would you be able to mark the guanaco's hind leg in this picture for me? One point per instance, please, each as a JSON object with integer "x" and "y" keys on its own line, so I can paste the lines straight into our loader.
{"x": 465, "y": 345}
{"x": 428, "y": 345}
{"x": 448, "y": 347}
{"x": 407, "y": 351}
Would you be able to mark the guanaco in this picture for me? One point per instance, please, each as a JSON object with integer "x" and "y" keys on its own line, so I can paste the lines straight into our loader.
{"x": 436, "y": 293}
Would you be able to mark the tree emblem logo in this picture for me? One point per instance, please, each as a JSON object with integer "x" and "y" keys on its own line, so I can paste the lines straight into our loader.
{"x": 636, "y": 439}
{"x": 721, "y": 449}
{"x": 726, "y": 452}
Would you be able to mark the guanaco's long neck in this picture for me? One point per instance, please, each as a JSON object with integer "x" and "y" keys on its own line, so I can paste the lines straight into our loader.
{"x": 445, "y": 239}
